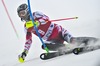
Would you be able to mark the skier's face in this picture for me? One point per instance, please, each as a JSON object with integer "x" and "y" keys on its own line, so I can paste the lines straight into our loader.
{"x": 22, "y": 14}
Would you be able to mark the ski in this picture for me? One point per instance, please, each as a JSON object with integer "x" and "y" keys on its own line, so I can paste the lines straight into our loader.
{"x": 76, "y": 51}
{"x": 85, "y": 49}
{"x": 46, "y": 56}
{"x": 83, "y": 45}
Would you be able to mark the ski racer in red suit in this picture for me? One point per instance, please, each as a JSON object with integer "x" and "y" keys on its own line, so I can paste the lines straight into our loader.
{"x": 49, "y": 31}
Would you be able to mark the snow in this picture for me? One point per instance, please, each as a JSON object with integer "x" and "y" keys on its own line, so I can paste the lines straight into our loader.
{"x": 87, "y": 24}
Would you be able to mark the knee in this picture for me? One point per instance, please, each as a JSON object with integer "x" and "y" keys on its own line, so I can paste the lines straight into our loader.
{"x": 68, "y": 38}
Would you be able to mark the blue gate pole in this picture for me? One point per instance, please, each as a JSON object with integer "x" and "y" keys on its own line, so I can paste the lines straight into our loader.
{"x": 36, "y": 29}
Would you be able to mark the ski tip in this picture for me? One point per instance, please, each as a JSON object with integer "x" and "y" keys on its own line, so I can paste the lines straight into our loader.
{"x": 21, "y": 60}
{"x": 43, "y": 56}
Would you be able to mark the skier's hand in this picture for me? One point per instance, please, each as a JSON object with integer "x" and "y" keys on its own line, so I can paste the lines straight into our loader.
{"x": 22, "y": 56}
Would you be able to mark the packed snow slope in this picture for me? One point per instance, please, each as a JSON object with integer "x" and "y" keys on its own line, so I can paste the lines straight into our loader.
{"x": 87, "y": 24}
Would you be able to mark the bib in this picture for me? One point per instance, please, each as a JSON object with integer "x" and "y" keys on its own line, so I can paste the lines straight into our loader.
{"x": 30, "y": 24}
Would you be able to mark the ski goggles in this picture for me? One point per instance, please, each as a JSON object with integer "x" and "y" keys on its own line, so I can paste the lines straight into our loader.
{"x": 22, "y": 13}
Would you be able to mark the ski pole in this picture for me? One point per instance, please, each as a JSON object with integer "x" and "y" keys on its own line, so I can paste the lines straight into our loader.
{"x": 47, "y": 50}
{"x": 64, "y": 19}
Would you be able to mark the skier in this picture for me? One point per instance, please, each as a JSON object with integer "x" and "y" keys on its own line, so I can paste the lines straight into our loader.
{"x": 53, "y": 33}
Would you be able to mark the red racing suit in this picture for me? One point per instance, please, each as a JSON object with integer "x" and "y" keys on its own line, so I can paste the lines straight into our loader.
{"x": 48, "y": 30}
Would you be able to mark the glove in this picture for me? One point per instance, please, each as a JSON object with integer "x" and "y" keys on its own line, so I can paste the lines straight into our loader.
{"x": 22, "y": 56}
